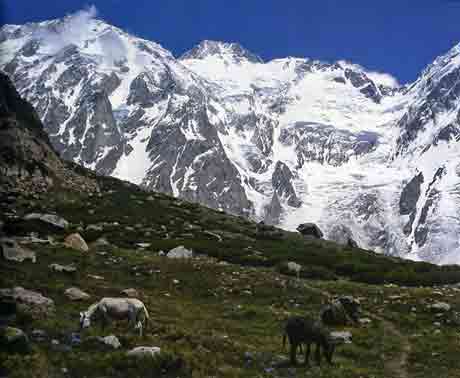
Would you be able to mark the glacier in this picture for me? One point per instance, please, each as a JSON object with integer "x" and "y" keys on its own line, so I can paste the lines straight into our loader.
{"x": 286, "y": 141}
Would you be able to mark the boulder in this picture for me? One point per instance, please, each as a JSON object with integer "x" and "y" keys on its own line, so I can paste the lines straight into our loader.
{"x": 39, "y": 335}
{"x": 62, "y": 268}
{"x": 49, "y": 219}
{"x": 36, "y": 222}
{"x": 111, "y": 341}
{"x": 75, "y": 294}
{"x": 132, "y": 293}
{"x": 440, "y": 307}
{"x": 75, "y": 241}
{"x": 310, "y": 231}
{"x": 14, "y": 340}
{"x": 106, "y": 343}
{"x": 12, "y": 251}
{"x": 293, "y": 267}
{"x": 29, "y": 302}
{"x": 180, "y": 252}
{"x": 143, "y": 351}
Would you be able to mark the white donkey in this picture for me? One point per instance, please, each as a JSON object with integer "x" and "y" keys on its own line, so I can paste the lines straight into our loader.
{"x": 116, "y": 308}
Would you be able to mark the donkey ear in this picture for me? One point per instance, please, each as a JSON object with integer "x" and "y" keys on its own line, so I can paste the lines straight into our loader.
{"x": 81, "y": 314}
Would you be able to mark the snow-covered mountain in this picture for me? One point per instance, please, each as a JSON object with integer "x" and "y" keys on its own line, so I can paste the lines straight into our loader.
{"x": 285, "y": 141}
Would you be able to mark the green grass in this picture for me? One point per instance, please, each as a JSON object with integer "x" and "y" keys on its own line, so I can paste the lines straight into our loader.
{"x": 219, "y": 312}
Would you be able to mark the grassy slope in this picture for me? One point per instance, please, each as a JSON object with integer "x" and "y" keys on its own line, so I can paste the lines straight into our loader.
{"x": 218, "y": 313}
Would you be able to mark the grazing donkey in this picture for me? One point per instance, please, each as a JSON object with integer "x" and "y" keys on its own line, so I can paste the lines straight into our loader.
{"x": 116, "y": 308}
{"x": 300, "y": 330}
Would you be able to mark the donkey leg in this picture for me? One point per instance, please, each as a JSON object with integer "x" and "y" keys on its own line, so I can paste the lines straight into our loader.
{"x": 293, "y": 354}
{"x": 318, "y": 354}
{"x": 307, "y": 354}
{"x": 131, "y": 318}
{"x": 105, "y": 320}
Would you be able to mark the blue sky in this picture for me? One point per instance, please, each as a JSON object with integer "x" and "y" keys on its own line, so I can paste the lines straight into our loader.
{"x": 399, "y": 37}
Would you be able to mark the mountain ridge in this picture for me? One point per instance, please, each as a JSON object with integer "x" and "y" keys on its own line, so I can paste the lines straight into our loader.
{"x": 217, "y": 129}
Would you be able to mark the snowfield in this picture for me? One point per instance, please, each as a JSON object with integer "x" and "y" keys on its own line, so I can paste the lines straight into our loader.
{"x": 287, "y": 141}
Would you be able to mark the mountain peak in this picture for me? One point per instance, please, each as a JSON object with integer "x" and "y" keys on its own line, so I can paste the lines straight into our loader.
{"x": 225, "y": 49}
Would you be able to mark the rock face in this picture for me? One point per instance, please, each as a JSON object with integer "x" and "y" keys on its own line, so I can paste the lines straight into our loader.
{"x": 30, "y": 302}
{"x": 12, "y": 251}
{"x": 28, "y": 162}
{"x": 341, "y": 234}
{"x": 282, "y": 183}
{"x": 221, "y": 127}
{"x": 310, "y": 230}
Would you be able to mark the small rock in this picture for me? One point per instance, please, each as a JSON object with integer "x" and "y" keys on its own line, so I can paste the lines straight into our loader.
{"x": 96, "y": 277}
{"x": 48, "y": 219}
{"x": 341, "y": 337}
{"x": 94, "y": 227}
{"x": 180, "y": 252}
{"x": 101, "y": 242}
{"x": 75, "y": 294}
{"x": 131, "y": 293}
{"x": 12, "y": 251}
{"x": 75, "y": 241}
{"x": 293, "y": 267}
{"x": 14, "y": 340}
{"x": 63, "y": 268}
{"x": 143, "y": 351}
{"x": 111, "y": 341}
{"x": 39, "y": 335}
{"x": 143, "y": 245}
{"x": 364, "y": 321}
{"x": 440, "y": 307}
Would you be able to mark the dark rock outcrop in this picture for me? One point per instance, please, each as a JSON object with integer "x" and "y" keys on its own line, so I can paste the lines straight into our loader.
{"x": 282, "y": 184}
{"x": 310, "y": 231}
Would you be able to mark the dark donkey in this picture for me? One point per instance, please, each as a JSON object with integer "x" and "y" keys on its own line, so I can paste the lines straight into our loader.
{"x": 303, "y": 330}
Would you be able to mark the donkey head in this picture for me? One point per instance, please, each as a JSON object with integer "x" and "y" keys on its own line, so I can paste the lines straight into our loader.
{"x": 85, "y": 321}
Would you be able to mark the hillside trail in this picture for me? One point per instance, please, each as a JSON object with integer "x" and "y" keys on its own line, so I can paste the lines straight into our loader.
{"x": 396, "y": 366}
